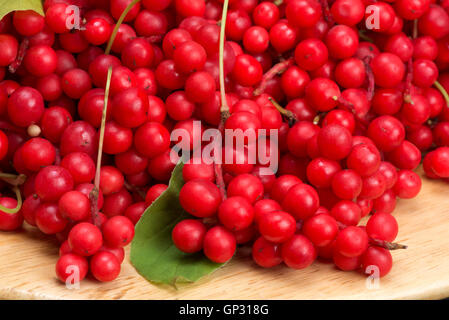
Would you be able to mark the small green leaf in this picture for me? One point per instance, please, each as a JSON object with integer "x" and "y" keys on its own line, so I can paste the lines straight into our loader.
{"x": 153, "y": 253}
{"x": 7, "y": 6}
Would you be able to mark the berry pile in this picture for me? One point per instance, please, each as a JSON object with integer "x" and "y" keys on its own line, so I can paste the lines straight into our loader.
{"x": 358, "y": 79}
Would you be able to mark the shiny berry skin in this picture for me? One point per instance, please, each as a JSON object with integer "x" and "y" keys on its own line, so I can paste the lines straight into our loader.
{"x": 350, "y": 73}
{"x": 117, "y": 139}
{"x": 294, "y": 81}
{"x": 38, "y": 153}
{"x": 236, "y": 213}
{"x": 303, "y": 13}
{"x": 347, "y": 184}
{"x": 10, "y": 222}
{"x": 201, "y": 170}
{"x": 345, "y": 263}
{"x": 348, "y": 12}
{"x": 322, "y": 94}
{"x": 79, "y": 136}
{"x": 97, "y": 31}
{"x": 74, "y": 205}
{"x": 247, "y": 70}
{"x": 105, "y": 266}
{"x": 283, "y": 36}
{"x": 200, "y": 198}
{"x": 265, "y": 14}
{"x": 388, "y": 70}
{"x": 321, "y": 229}
{"x": 282, "y": 185}
{"x": 151, "y": 139}
{"x": 219, "y": 244}
{"x": 135, "y": 211}
{"x": 377, "y": 257}
{"x": 188, "y": 235}
{"x": 247, "y": 186}
{"x": 311, "y": 54}
{"x": 80, "y": 166}
{"x": 40, "y": 60}
{"x": 351, "y": 242}
{"x": 8, "y": 48}
{"x": 189, "y": 56}
{"x": 382, "y": 226}
{"x": 299, "y": 135}
{"x": 334, "y": 142}
{"x": 200, "y": 87}
{"x": 111, "y": 180}
{"x": 154, "y": 192}
{"x": 406, "y": 156}
{"x": 364, "y": 159}
{"x": 386, "y": 132}
{"x": 266, "y": 254}
{"x": 298, "y": 252}
{"x": 346, "y": 212}
{"x": 256, "y": 39}
{"x": 320, "y": 172}
{"x": 25, "y": 106}
{"x": 75, "y": 83}
{"x": 71, "y": 265}
{"x": 408, "y": 184}
{"x": 52, "y": 182}
{"x": 434, "y": 22}
{"x": 118, "y": 231}
{"x": 53, "y": 123}
{"x": 178, "y": 107}
{"x": 48, "y": 219}
{"x": 264, "y": 206}
{"x": 85, "y": 239}
{"x": 342, "y": 42}
{"x": 301, "y": 201}
{"x": 277, "y": 226}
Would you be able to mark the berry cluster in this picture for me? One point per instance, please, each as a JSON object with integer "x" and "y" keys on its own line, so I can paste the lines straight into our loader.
{"x": 359, "y": 111}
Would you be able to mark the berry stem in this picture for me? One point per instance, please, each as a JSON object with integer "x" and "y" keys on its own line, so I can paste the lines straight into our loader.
{"x": 443, "y": 91}
{"x": 387, "y": 245}
{"x": 286, "y": 113}
{"x": 93, "y": 196}
{"x": 224, "y": 104}
{"x": 277, "y": 69}
{"x": 20, "y": 55}
{"x": 278, "y": 2}
{"x": 224, "y": 110}
{"x": 117, "y": 25}
{"x": 13, "y": 179}
{"x": 19, "y": 203}
{"x": 370, "y": 77}
{"x": 408, "y": 80}
{"x": 415, "y": 29}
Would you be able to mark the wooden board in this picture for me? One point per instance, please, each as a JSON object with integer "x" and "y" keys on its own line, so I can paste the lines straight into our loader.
{"x": 27, "y": 262}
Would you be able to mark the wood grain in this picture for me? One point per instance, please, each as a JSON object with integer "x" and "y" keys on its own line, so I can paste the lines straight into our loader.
{"x": 420, "y": 272}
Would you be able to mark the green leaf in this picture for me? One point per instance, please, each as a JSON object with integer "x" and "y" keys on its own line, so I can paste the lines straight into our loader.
{"x": 7, "y": 6}
{"x": 153, "y": 253}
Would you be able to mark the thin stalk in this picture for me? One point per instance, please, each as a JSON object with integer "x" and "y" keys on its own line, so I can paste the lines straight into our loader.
{"x": 93, "y": 196}
{"x": 19, "y": 203}
{"x": 20, "y": 55}
{"x": 443, "y": 92}
{"x": 117, "y": 25}
{"x": 277, "y": 69}
{"x": 286, "y": 113}
{"x": 224, "y": 104}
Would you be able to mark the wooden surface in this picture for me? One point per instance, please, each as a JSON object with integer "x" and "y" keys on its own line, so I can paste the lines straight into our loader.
{"x": 420, "y": 272}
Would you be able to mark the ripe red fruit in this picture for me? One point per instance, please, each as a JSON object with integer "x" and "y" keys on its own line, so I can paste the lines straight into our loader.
{"x": 71, "y": 266}
{"x": 321, "y": 229}
{"x": 334, "y": 142}
{"x": 301, "y": 201}
{"x": 105, "y": 266}
{"x": 52, "y": 182}
{"x": 246, "y": 186}
{"x": 118, "y": 231}
{"x": 236, "y": 213}
{"x": 377, "y": 261}
{"x": 277, "y": 226}
{"x": 74, "y": 205}
{"x": 200, "y": 198}
{"x": 298, "y": 252}
{"x": 85, "y": 239}
{"x": 351, "y": 242}
{"x": 266, "y": 254}
{"x": 8, "y": 49}
{"x": 219, "y": 244}
{"x": 188, "y": 235}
